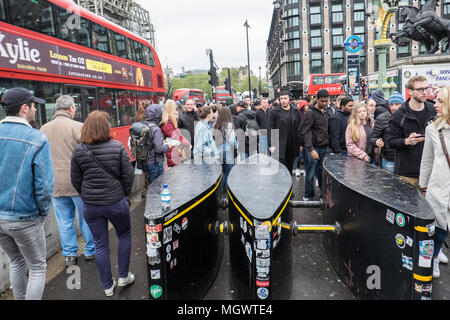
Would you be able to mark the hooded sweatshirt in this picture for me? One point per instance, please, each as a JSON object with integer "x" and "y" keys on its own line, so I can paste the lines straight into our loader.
{"x": 155, "y": 145}
{"x": 381, "y": 102}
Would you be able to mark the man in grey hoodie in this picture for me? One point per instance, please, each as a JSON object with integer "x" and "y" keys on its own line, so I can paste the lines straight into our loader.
{"x": 156, "y": 146}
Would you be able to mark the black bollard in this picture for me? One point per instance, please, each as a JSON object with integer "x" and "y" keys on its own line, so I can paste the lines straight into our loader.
{"x": 259, "y": 190}
{"x": 385, "y": 247}
{"x": 183, "y": 255}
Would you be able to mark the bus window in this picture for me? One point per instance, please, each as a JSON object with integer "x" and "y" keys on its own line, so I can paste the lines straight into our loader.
{"x": 138, "y": 51}
{"x": 121, "y": 45}
{"x": 109, "y": 105}
{"x": 151, "y": 57}
{"x": 83, "y": 35}
{"x": 130, "y": 52}
{"x": 317, "y": 80}
{"x": 100, "y": 39}
{"x": 2, "y": 10}
{"x": 127, "y": 107}
{"x": 34, "y": 15}
{"x": 331, "y": 79}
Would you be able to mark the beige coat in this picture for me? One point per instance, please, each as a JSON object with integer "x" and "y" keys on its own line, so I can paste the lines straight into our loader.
{"x": 63, "y": 134}
{"x": 435, "y": 173}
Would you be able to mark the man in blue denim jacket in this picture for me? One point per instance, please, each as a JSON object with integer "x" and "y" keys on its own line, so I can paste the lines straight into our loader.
{"x": 26, "y": 193}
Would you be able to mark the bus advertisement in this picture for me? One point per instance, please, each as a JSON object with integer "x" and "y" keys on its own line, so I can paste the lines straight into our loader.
{"x": 328, "y": 81}
{"x": 184, "y": 94}
{"x": 101, "y": 65}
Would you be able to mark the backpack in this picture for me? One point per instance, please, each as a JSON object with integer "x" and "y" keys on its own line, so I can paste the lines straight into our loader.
{"x": 252, "y": 127}
{"x": 139, "y": 132}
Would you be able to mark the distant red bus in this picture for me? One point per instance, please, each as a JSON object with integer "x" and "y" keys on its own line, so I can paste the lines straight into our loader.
{"x": 62, "y": 48}
{"x": 183, "y": 95}
{"x": 328, "y": 81}
{"x": 222, "y": 94}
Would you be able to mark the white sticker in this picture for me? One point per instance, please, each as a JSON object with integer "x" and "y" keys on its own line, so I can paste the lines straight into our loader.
{"x": 409, "y": 241}
{"x": 407, "y": 262}
{"x": 248, "y": 250}
{"x": 155, "y": 274}
{"x": 426, "y": 253}
{"x": 390, "y": 216}
{"x": 167, "y": 234}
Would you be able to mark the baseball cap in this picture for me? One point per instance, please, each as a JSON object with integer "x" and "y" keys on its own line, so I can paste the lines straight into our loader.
{"x": 242, "y": 104}
{"x": 15, "y": 97}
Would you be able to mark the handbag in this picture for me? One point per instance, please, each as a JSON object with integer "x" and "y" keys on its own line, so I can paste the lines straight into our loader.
{"x": 108, "y": 171}
{"x": 444, "y": 147}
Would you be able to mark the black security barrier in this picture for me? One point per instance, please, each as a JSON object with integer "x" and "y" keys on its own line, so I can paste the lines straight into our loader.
{"x": 183, "y": 255}
{"x": 259, "y": 190}
{"x": 385, "y": 247}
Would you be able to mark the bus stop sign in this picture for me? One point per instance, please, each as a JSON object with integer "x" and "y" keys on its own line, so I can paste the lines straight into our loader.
{"x": 353, "y": 44}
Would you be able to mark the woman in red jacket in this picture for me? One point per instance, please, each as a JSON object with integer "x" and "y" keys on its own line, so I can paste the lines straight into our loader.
{"x": 169, "y": 128}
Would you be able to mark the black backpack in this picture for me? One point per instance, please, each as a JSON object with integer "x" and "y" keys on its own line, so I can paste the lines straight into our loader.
{"x": 139, "y": 133}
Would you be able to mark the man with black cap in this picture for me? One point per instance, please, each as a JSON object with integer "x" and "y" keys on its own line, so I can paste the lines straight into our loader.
{"x": 26, "y": 193}
{"x": 286, "y": 119}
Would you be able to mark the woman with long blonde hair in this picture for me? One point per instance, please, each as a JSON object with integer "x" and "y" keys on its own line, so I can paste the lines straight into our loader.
{"x": 434, "y": 179}
{"x": 358, "y": 132}
{"x": 169, "y": 128}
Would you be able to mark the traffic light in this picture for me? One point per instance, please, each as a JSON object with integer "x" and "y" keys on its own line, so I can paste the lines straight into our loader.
{"x": 227, "y": 83}
{"x": 212, "y": 77}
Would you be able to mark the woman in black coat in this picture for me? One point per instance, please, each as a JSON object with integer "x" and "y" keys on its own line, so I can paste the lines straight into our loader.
{"x": 102, "y": 174}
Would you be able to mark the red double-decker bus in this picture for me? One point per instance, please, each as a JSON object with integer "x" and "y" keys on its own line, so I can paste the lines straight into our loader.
{"x": 184, "y": 94}
{"x": 54, "y": 47}
{"x": 222, "y": 94}
{"x": 328, "y": 81}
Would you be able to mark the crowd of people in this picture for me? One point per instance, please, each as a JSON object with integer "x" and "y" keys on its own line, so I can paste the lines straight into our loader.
{"x": 79, "y": 167}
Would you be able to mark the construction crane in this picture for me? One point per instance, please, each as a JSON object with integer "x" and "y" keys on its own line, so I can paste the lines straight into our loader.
{"x": 125, "y": 13}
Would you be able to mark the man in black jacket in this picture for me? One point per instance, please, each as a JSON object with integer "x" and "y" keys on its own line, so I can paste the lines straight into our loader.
{"x": 187, "y": 121}
{"x": 315, "y": 133}
{"x": 407, "y": 129}
{"x": 262, "y": 118}
{"x": 241, "y": 121}
{"x": 287, "y": 120}
{"x": 381, "y": 131}
{"x": 338, "y": 125}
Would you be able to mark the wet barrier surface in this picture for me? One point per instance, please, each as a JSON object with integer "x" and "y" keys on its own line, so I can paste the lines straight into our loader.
{"x": 313, "y": 276}
{"x": 385, "y": 248}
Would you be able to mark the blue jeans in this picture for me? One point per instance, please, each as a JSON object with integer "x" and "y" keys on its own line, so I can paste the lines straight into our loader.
{"x": 301, "y": 156}
{"x": 263, "y": 145}
{"x": 64, "y": 208}
{"x": 388, "y": 165}
{"x": 154, "y": 170}
{"x": 24, "y": 244}
{"x": 226, "y": 168}
{"x": 313, "y": 168}
{"x": 439, "y": 238}
{"x": 97, "y": 217}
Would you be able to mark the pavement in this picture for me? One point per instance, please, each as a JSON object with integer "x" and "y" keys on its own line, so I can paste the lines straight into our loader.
{"x": 313, "y": 275}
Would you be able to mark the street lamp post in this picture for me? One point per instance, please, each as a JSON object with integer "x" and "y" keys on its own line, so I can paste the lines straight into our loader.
{"x": 248, "y": 61}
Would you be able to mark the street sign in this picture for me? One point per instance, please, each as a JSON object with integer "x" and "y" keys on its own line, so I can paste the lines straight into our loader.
{"x": 353, "y": 44}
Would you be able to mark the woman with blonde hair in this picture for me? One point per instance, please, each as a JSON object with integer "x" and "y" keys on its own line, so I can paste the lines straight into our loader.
{"x": 434, "y": 179}
{"x": 358, "y": 132}
{"x": 169, "y": 128}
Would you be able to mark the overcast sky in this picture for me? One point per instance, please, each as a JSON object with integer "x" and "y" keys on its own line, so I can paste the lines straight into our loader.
{"x": 184, "y": 29}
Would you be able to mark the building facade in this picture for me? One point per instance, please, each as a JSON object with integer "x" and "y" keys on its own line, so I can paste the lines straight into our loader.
{"x": 307, "y": 37}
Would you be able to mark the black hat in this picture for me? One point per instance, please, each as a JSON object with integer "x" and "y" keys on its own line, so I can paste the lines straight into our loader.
{"x": 15, "y": 97}
{"x": 242, "y": 104}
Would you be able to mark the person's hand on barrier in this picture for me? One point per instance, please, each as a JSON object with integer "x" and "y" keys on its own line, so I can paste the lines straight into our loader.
{"x": 367, "y": 159}
{"x": 380, "y": 143}
{"x": 314, "y": 155}
{"x": 272, "y": 149}
{"x": 414, "y": 138}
